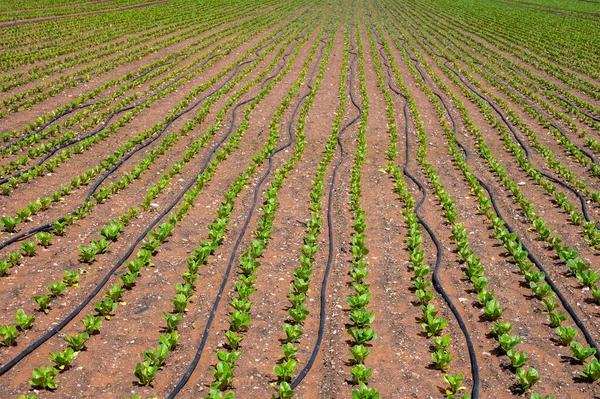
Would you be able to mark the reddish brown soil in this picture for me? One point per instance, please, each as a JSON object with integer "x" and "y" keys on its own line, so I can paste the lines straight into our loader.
{"x": 400, "y": 356}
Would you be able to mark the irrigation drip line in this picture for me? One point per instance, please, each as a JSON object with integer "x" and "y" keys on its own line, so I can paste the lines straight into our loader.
{"x": 322, "y": 311}
{"x": 141, "y": 103}
{"x": 93, "y": 189}
{"x": 581, "y": 198}
{"x": 530, "y": 255}
{"x": 573, "y": 106}
{"x": 156, "y": 67}
{"x": 186, "y": 376}
{"x": 107, "y": 120}
{"x": 552, "y": 124}
{"x": 122, "y": 260}
{"x": 46, "y": 124}
{"x": 439, "y": 250}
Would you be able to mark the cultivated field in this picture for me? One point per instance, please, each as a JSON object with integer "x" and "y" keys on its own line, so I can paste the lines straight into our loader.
{"x": 313, "y": 199}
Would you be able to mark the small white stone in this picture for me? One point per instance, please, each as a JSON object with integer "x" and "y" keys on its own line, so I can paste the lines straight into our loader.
{"x": 463, "y": 300}
{"x": 154, "y": 205}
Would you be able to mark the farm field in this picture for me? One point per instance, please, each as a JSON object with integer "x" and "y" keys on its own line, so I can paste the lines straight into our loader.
{"x": 312, "y": 199}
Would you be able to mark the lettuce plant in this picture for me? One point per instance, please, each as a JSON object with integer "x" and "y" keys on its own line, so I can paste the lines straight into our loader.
{"x": 580, "y": 352}
{"x": 285, "y": 370}
{"x": 77, "y": 342}
{"x": 23, "y": 321}
{"x": 361, "y": 373}
{"x": 63, "y": 359}
{"x": 43, "y": 302}
{"x": 9, "y": 334}
{"x": 43, "y": 377}
{"x": 145, "y": 373}
{"x": 527, "y": 378}
{"x": 566, "y": 334}
{"x": 92, "y": 324}
{"x": 454, "y": 382}
{"x": 591, "y": 370}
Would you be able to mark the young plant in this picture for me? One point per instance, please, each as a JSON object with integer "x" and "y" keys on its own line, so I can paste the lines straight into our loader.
{"x": 180, "y": 302}
{"x": 56, "y": 288}
{"x": 156, "y": 356}
{"x": 9, "y": 334}
{"x": 285, "y": 370}
{"x": 580, "y": 352}
{"x": 63, "y": 359}
{"x": 43, "y": 378}
{"x": 77, "y": 342}
{"x": 169, "y": 340}
{"x": 145, "y": 373}
{"x": 454, "y": 381}
{"x": 9, "y": 223}
{"x": 556, "y": 319}
{"x": 71, "y": 279}
{"x": 4, "y": 267}
{"x": 223, "y": 376}
{"x": 492, "y": 310}
{"x": 239, "y": 321}
{"x": 517, "y": 359}
{"x": 43, "y": 302}
{"x": 105, "y": 308}
{"x": 507, "y": 342}
{"x": 92, "y": 324}
{"x": 362, "y": 335}
{"x": 28, "y": 248}
{"x": 44, "y": 238}
{"x": 14, "y": 258}
{"x": 591, "y": 370}
{"x": 172, "y": 321}
{"x": 87, "y": 255}
{"x": 566, "y": 334}
{"x": 359, "y": 353}
{"x": 283, "y": 390}
{"x": 527, "y": 378}
{"x": 114, "y": 293}
{"x": 23, "y": 321}
{"x": 434, "y": 326}
{"x": 361, "y": 373}
{"x": 233, "y": 340}
{"x": 365, "y": 392}
{"x": 441, "y": 359}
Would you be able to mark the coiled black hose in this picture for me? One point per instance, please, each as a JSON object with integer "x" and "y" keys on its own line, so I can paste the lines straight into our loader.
{"x": 120, "y": 262}
{"x": 530, "y": 255}
{"x": 186, "y": 376}
{"x": 439, "y": 251}
{"x": 108, "y": 173}
{"x": 322, "y": 311}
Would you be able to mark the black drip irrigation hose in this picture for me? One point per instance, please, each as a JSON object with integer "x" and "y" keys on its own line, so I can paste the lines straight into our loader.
{"x": 572, "y": 189}
{"x": 120, "y": 262}
{"x": 46, "y": 124}
{"x": 322, "y": 311}
{"x": 592, "y": 117}
{"x": 105, "y": 123}
{"x": 48, "y": 226}
{"x": 439, "y": 250}
{"x": 124, "y": 109}
{"x": 530, "y": 255}
{"x": 186, "y": 376}
{"x": 157, "y": 66}
{"x": 552, "y": 124}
